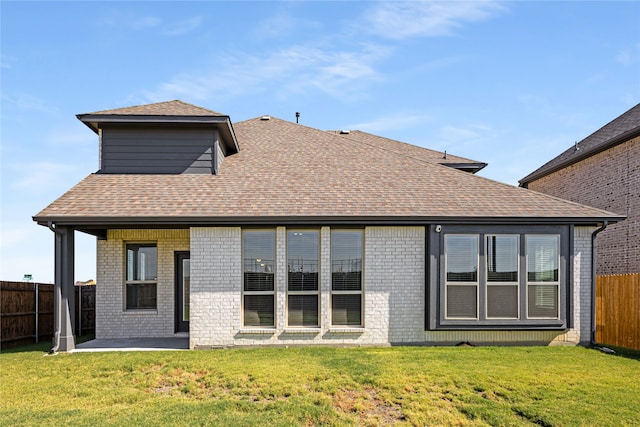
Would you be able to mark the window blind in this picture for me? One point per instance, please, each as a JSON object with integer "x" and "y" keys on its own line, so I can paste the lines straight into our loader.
{"x": 258, "y": 260}
{"x": 461, "y": 258}
{"x": 502, "y": 258}
{"x": 303, "y": 310}
{"x": 302, "y": 260}
{"x": 542, "y": 258}
{"x": 258, "y": 310}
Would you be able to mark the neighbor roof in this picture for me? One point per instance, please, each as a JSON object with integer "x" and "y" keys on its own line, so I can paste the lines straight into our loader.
{"x": 399, "y": 147}
{"x": 288, "y": 172}
{"x": 617, "y": 131}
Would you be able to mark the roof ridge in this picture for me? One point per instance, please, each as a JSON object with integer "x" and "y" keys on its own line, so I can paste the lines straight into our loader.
{"x": 397, "y": 152}
{"x": 158, "y": 109}
{"x": 431, "y": 150}
{"x": 401, "y": 142}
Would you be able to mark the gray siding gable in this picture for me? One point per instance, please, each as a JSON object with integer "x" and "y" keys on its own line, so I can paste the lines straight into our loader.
{"x": 159, "y": 150}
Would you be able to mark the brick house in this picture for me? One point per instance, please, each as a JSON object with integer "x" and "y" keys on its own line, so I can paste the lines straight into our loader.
{"x": 602, "y": 170}
{"x": 268, "y": 232}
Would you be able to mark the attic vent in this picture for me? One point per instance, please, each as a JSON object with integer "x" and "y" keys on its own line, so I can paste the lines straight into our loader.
{"x": 265, "y": 118}
{"x": 345, "y": 132}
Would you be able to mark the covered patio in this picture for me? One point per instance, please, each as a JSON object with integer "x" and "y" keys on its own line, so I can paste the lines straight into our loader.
{"x": 133, "y": 344}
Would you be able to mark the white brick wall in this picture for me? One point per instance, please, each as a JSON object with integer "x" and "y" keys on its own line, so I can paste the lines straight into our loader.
{"x": 393, "y": 297}
{"x": 395, "y": 283}
{"x": 394, "y": 292}
{"x": 112, "y": 320}
{"x": 216, "y": 278}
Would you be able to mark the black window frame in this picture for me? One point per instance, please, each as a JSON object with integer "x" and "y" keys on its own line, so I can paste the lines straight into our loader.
{"x": 339, "y": 297}
{"x": 260, "y": 296}
{"x": 300, "y": 300}
{"x": 134, "y": 287}
{"x": 435, "y": 315}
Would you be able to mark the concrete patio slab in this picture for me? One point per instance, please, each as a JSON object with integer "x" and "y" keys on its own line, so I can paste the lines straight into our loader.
{"x": 133, "y": 344}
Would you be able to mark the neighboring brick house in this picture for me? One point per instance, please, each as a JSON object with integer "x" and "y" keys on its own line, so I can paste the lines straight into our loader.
{"x": 602, "y": 170}
{"x": 268, "y": 232}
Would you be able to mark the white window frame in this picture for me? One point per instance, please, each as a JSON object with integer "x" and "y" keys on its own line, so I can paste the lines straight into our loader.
{"x": 319, "y": 272}
{"x": 452, "y": 284}
{"x": 555, "y": 283}
{"x": 360, "y": 292}
{"x": 249, "y": 293}
{"x": 517, "y": 283}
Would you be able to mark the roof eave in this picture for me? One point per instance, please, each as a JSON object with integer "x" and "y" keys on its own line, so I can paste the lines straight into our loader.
{"x": 183, "y": 222}
{"x": 541, "y": 172}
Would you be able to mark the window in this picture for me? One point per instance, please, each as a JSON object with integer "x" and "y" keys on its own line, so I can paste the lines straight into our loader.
{"x": 141, "y": 277}
{"x": 542, "y": 276}
{"x": 461, "y": 257}
{"x": 302, "y": 278}
{"x": 346, "y": 277}
{"x": 258, "y": 268}
{"x": 500, "y": 277}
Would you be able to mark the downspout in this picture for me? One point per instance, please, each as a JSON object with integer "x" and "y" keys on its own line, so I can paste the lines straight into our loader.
{"x": 57, "y": 297}
{"x": 593, "y": 281}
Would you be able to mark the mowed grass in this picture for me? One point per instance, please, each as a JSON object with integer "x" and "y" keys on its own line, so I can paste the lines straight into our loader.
{"x": 460, "y": 386}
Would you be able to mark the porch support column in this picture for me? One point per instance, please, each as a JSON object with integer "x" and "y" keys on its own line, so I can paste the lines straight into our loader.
{"x": 63, "y": 296}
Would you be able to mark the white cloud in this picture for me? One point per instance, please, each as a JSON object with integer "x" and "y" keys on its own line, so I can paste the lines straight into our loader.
{"x": 28, "y": 102}
{"x": 6, "y": 62}
{"x": 296, "y": 69}
{"x": 400, "y": 20}
{"x": 468, "y": 140}
{"x": 456, "y": 133}
{"x": 624, "y": 57}
{"x": 629, "y": 55}
{"x": 183, "y": 27}
{"x": 391, "y": 122}
{"x": 144, "y": 22}
{"x": 41, "y": 177}
{"x": 71, "y": 138}
{"x": 275, "y": 26}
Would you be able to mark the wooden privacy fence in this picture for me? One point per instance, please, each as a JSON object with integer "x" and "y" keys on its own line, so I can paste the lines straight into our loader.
{"x": 26, "y": 312}
{"x": 618, "y": 310}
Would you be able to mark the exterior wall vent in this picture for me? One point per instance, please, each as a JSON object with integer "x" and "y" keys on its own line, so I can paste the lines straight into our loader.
{"x": 265, "y": 118}
{"x": 345, "y": 132}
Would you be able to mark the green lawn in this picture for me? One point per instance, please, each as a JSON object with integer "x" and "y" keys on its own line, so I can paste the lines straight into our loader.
{"x": 460, "y": 386}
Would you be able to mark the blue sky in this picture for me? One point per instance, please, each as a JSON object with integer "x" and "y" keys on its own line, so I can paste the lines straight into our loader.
{"x": 512, "y": 84}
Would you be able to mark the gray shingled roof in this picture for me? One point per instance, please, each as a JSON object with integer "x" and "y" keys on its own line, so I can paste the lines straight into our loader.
{"x": 286, "y": 171}
{"x": 403, "y": 148}
{"x": 619, "y": 130}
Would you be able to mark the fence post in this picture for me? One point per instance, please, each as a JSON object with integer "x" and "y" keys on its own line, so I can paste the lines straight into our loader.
{"x": 37, "y": 288}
